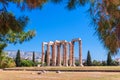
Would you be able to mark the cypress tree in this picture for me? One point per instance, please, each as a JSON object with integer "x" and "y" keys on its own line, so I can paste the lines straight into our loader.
{"x": 89, "y": 62}
{"x": 33, "y": 59}
{"x": 109, "y": 59}
{"x": 18, "y": 59}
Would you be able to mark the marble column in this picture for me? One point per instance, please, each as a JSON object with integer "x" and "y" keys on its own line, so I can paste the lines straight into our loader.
{"x": 48, "y": 54}
{"x": 42, "y": 54}
{"x": 80, "y": 53}
{"x": 66, "y": 59}
{"x": 53, "y": 55}
{"x": 58, "y": 55}
{"x": 70, "y": 54}
{"x": 73, "y": 59}
{"x": 63, "y": 55}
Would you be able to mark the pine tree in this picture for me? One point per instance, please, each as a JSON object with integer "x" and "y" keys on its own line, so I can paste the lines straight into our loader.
{"x": 109, "y": 59}
{"x": 18, "y": 60}
{"x": 33, "y": 59}
{"x": 89, "y": 62}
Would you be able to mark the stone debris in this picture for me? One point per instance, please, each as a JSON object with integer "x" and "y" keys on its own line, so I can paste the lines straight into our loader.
{"x": 38, "y": 65}
{"x": 58, "y": 71}
{"x": 44, "y": 71}
{"x": 39, "y": 73}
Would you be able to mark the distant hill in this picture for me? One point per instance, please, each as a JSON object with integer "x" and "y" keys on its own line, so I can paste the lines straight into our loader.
{"x": 24, "y": 54}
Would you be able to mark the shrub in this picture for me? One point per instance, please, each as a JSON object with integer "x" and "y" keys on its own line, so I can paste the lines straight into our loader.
{"x": 6, "y": 62}
{"x": 26, "y": 63}
{"x": 76, "y": 63}
{"x": 115, "y": 63}
{"x": 104, "y": 63}
{"x": 96, "y": 63}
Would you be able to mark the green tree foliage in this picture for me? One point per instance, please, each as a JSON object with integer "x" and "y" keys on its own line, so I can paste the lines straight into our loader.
{"x": 106, "y": 18}
{"x": 12, "y": 28}
{"x": 29, "y": 4}
{"x": 27, "y": 63}
{"x": 115, "y": 63}
{"x": 96, "y": 63}
{"x": 109, "y": 59}
{"x": 104, "y": 63}
{"x": 77, "y": 63}
{"x": 89, "y": 62}
{"x": 6, "y": 62}
{"x": 18, "y": 59}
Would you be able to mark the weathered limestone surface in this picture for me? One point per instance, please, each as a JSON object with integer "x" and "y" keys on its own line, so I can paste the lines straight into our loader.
{"x": 58, "y": 55}
{"x": 66, "y": 59}
{"x": 54, "y": 55}
{"x": 80, "y": 53}
{"x": 48, "y": 54}
{"x": 70, "y": 54}
{"x": 42, "y": 54}
{"x": 73, "y": 62}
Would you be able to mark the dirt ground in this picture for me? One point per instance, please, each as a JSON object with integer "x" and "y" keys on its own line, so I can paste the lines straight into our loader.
{"x": 33, "y": 75}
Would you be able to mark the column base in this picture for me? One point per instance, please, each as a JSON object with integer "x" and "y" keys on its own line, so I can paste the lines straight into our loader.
{"x": 73, "y": 65}
{"x": 81, "y": 65}
{"x": 53, "y": 65}
{"x": 70, "y": 65}
{"x": 65, "y": 65}
{"x": 48, "y": 64}
{"x": 59, "y": 65}
{"x": 42, "y": 64}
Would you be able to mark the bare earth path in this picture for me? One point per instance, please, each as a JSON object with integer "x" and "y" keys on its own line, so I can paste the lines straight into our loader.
{"x": 32, "y": 75}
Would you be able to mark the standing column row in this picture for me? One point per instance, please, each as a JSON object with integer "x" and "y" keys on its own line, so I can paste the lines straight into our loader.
{"x": 56, "y": 54}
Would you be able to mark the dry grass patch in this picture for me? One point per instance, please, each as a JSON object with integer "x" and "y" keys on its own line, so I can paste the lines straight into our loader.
{"x": 28, "y": 75}
{"x": 68, "y": 68}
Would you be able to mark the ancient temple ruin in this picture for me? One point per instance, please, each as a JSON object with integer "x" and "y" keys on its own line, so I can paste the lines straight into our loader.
{"x": 62, "y": 53}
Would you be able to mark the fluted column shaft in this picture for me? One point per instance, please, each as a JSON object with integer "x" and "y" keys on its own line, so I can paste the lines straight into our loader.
{"x": 66, "y": 59}
{"x": 70, "y": 54}
{"x": 80, "y": 53}
{"x": 42, "y": 54}
{"x": 48, "y": 55}
{"x": 63, "y": 55}
{"x": 58, "y": 56}
{"x": 53, "y": 55}
{"x": 73, "y": 59}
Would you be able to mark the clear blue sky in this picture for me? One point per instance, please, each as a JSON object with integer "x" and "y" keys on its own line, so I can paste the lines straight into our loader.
{"x": 54, "y": 22}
